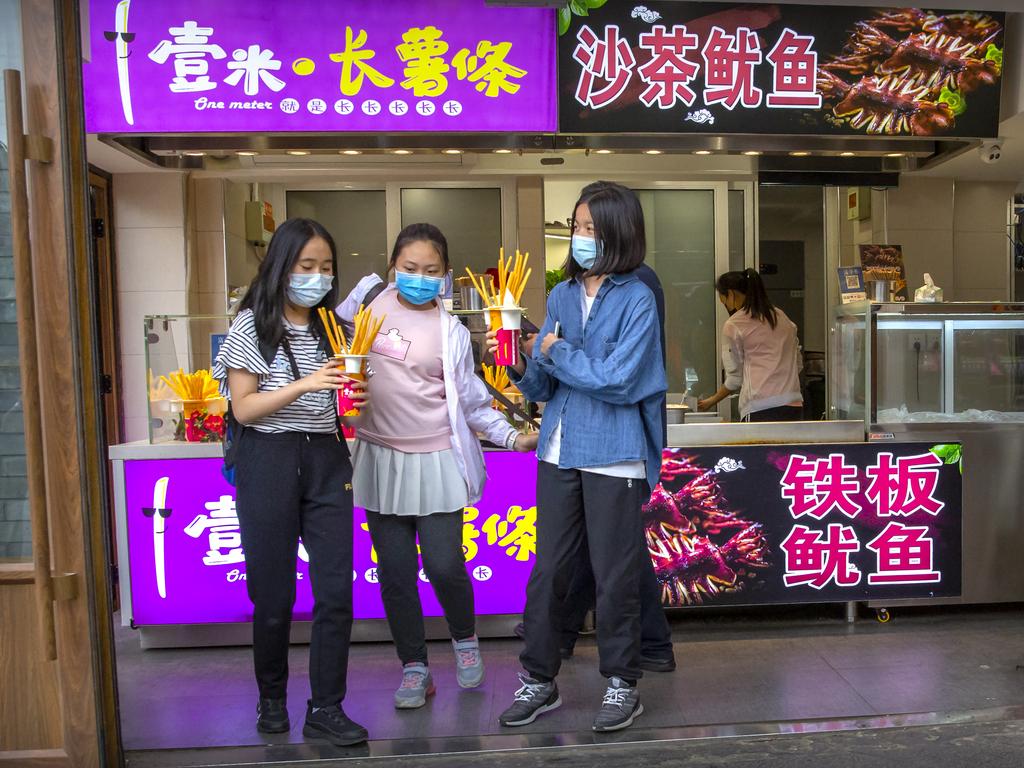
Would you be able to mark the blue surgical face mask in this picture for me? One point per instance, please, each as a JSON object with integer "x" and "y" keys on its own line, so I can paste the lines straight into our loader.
{"x": 585, "y": 251}
{"x": 308, "y": 290}
{"x": 418, "y": 289}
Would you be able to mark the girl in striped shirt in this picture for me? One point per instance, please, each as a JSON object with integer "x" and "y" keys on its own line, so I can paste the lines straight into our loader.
{"x": 293, "y": 474}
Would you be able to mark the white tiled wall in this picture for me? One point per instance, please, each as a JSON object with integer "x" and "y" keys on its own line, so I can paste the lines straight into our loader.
{"x": 149, "y": 217}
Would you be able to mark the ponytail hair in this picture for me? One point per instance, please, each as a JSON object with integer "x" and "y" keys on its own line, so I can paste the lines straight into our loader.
{"x": 749, "y": 283}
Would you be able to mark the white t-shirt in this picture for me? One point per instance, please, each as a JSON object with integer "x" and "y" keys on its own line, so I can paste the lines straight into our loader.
{"x": 553, "y": 450}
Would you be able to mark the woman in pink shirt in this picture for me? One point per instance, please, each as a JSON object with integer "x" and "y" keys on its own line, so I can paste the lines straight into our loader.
{"x": 760, "y": 352}
{"x": 417, "y": 460}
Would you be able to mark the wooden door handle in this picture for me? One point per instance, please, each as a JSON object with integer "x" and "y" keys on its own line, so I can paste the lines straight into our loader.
{"x": 21, "y": 148}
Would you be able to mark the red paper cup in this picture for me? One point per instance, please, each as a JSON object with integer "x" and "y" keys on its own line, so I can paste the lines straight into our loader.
{"x": 347, "y": 404}
{"x": 508, "y": 335}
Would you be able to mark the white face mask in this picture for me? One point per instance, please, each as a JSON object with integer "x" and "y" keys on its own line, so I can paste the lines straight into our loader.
{"x": 308, "y": 290}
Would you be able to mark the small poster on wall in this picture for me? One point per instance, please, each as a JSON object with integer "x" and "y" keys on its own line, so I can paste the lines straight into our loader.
{"x": 851, "y": 285}
{"x": 885, "y": 262}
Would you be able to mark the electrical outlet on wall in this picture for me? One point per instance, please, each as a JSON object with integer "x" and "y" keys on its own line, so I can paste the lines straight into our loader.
{"x": 916, "y": 342}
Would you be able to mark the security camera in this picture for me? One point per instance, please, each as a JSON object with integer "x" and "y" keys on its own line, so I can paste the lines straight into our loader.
{"x": 990, "y": 152}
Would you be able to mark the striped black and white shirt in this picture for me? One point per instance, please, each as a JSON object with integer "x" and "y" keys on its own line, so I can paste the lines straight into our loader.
{"x": 313, "y": 411}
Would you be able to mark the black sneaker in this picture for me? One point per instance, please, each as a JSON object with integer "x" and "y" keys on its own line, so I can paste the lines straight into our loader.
{"x": 533, "y": 699}
{"x": 658, "y": 663}
{"x": 272, "y": 716}
{"x": 620, "y": 707}
{"x": 333, "y": 724}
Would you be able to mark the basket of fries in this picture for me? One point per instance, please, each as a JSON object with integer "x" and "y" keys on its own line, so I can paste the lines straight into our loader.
{"x": 354, "y": 354}
{"x": 202, "y": 407}
{"x": 502, "y": 305}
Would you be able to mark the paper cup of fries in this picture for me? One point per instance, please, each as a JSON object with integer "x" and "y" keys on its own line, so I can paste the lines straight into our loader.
{"x": 508, "y": 335}
{"x": 353, "y": 355}
{"x": 503, "y": 310}
{"x": 354, "y": 370}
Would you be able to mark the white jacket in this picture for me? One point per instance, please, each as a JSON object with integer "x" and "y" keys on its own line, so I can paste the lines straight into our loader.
{"x": 469, "y": 402}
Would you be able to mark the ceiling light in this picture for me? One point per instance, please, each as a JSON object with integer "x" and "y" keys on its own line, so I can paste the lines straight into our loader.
{"x": 503, "y": 151}
{"x": 351, "y": 151}
{"x": 752, "y": 152}
{"x": 194, "y": 154}
{"x": 894, "y": 154}
{"x": 246, "y": 153}
{"x": 847, "y": 154}
{"x": 652, "y": 152}
{"x": 799, "y": 153}
{"x": 298, "y": 152}
{"x": 401, "y": 151}
{"x": 453, "y": 151}
{"x": 604, "y": 151}
{"x": 702, "y": 152}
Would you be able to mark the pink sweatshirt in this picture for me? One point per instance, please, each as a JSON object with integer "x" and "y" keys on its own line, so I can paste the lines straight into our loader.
{"x": 762, "y": 362}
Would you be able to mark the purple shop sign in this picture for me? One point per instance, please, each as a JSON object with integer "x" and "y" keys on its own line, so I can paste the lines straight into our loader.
{"x": 187, "y": 566}
{"x": 180, "y": 66}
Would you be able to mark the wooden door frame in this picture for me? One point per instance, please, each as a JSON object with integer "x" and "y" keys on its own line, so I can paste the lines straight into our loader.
{"x": 68, "y": 388}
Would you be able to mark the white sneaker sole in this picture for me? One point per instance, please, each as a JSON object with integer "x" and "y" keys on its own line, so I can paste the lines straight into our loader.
{"x": 415, "y": 703}
{"x": 536, "y": 713}
{"x": 474, "y": 684}
{"x": 625, "y": 723}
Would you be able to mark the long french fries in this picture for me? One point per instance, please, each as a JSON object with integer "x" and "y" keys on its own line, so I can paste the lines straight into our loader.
{"x": 496, "y": 376}
{"x": 512, "y": 277}
{"x": 366, "y": 329}
{"x": 196, "y": 386}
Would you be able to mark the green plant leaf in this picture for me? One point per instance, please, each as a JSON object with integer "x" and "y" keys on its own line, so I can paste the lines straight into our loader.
{"x": 943, "y": 450}
{"x": 564, "y": 20}
{"x": 578, "y": 7}
{"x": 595, "y": 3}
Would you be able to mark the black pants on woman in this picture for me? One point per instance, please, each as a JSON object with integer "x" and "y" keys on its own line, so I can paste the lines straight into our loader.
{"x": 293, "y": 485}
{"x": 440, "y": 536}
{"x": 577, "y": 509}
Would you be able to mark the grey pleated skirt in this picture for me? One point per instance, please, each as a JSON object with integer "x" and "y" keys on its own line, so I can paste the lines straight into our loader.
{"x": 410, "y": 484}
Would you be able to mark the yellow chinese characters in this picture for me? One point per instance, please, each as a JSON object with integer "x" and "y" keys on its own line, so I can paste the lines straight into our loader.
{"x": 425, "y": 70}
{"x": 488, "y": 68}
{"x": 516, "y": 532}
{"x": 354, "y": 57}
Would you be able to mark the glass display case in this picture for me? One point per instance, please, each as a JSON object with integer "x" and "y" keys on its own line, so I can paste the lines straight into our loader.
{"x": 905, "y": 363}
{"x": 183, "y": 404}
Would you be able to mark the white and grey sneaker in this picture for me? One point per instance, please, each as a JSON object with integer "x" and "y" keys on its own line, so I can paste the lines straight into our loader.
{"x": 469, "y": 665}
{"x": 532, "y": 699}
{"x": 620, "y": 707}
{"x": 416, "y": 685}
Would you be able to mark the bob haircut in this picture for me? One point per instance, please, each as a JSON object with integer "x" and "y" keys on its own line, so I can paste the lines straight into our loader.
{"x": 420, "y": 233}
{"x": 268, "y": 291}
{"x": 618, "y": 227}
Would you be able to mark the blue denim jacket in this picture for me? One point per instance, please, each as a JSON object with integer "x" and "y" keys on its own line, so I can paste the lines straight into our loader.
{"x": 604, "y": 380}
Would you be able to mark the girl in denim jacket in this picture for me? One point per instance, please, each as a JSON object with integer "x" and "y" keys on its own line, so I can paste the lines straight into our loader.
{"x": 597, "y": 364}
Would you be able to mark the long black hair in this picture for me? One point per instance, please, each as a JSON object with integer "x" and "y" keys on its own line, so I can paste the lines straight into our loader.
{"x": 756, "y": 301}
{"x": 268, "y": 291}
{"x": 417, "y": 233}
{"x": 618, "y": 226}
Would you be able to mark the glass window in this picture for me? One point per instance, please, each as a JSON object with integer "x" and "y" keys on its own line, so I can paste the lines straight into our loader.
{"x": 470, "y": 219}
{"x": 680, "y": 225}
{"x": 988, "y": 369}
{"x": 357, "y": 220}
{"x": 737, "y": 231}
{"x": 15, "y": 527}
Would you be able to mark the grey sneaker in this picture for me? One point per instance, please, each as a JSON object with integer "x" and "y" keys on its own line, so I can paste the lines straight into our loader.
{"x": 469, "y": 666}
{"x": 532, "y": 699}
{"x": 416, "y": 685}
{"x": 620, "y": 707}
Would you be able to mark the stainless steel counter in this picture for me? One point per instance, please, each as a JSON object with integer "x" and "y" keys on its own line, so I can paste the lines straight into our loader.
{"x": 736, "y": 433}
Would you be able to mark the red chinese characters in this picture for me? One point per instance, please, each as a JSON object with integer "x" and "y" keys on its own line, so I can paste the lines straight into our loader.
{"x": 668, "y": 72}
{"x": 815, "y": 559}
{"x": 607, "y": 66}
{"x": 729, "y": 65}
{"x": 796, "y": 72}
{"x": 904, "y": 556}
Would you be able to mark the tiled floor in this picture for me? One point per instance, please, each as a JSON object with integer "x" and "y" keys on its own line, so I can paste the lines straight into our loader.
{"x": 733, "y": 668}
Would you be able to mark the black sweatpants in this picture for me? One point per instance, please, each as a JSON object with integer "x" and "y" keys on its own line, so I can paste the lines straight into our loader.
{"x": 293, "y": 485}
{"x": 440, "y": 536}
{"x": 655, "y": 632}
{"x": 577, "y": 509}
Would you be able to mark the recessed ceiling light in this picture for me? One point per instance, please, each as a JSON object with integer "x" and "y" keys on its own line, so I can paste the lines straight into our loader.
{"x": 298, "y": 152}
{"x": 652, "y": 152}
{"x": 194, "y": 154}
{"x": 847, "y": 154}
{"x": 246, "y": 153}
{"x": 604, "y": 151}
{"x": 453, "y": 151}
{"x": 894, "y": 154}
{"x": 702, "y": 152}
{"x": 351, "y": 151}
{"x": 799, "y": 153}
{"x": 503, "y": 151}
{"x": 401, "y": 151}
{"x": 752, "y": 152}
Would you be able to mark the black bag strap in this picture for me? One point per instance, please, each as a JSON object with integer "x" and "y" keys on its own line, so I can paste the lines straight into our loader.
{"x": 373, "y": 293}
{"x": 512, "y": 407}
{"x": 296, "y": 374}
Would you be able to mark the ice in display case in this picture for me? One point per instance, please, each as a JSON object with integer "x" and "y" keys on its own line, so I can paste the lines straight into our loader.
{"x": 904, "y": 363}
{"x": 183, "y": 409}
